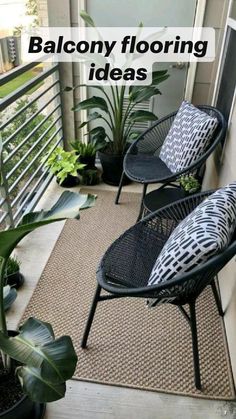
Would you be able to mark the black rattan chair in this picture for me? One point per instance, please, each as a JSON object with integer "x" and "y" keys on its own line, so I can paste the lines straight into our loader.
{"x": 142, "y": 163}
{"x": 127, "y": 276}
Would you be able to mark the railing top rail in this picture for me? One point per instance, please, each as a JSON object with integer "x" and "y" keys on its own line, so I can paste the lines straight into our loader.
{"x": 17, "y": 71}
{"x": 12, "y": 97}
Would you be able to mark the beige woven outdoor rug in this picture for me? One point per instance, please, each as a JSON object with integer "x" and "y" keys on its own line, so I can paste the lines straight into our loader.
{"x": 129, "y": 344}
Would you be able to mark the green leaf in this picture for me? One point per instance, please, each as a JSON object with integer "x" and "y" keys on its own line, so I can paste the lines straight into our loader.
{"x": 54, "y": 360}
{"x": 142, "y": 116}
{"x": 67, "y": 206}
{"x": 97, "y": 137}
{"x": 159, "y": 76}
{"x": 88, "y": 20}
{"x": 91, "y": 103}
{"x": 133, "y": 136}
{"x": 97, "y": 133}
{"x": 140, "y": 94}
{"x": 92, "y": 117}
{"x": 9, "y": 296}
{"x": 37, "y": 388}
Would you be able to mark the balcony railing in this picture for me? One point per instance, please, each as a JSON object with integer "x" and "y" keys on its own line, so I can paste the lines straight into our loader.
{"x": 30, "y": 129}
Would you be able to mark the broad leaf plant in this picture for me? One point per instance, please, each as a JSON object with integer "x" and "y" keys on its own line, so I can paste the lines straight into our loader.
{"x": 44, "y": 362}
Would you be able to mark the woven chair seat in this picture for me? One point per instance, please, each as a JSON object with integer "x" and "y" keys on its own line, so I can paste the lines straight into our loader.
{"x": 146, "y": 168}
{"x": 127, "y": 264}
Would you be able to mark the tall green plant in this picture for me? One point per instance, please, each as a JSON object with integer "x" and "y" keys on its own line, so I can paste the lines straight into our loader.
{"x": 46, "y": 362}
{"x": 119, "y": 122}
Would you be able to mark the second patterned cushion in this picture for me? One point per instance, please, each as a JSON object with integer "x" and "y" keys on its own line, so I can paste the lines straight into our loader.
{"x": 202, "y": 234}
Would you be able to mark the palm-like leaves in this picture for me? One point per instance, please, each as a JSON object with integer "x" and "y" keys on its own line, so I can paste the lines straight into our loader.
{"x": 46, "y": 362}
{"x": 119, "y": 121}
{"x": 67, "y": 206}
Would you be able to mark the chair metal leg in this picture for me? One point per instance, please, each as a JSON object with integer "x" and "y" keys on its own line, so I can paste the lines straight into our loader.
{"x": 141, "y": 205}
{"x": 217, "y": 298}
{"x": 193, "y": 325}
{"x": 90, "y": 317}
{"x": 119, "y": 189}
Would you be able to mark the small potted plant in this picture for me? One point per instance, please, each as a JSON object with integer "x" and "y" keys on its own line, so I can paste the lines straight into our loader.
{"x": 90, "y": 177}
{"x": 189, "y": 184}
{"x": 86, "y": 153}
{"x": 65, "y": 166}
{"x": 13, "y": 276}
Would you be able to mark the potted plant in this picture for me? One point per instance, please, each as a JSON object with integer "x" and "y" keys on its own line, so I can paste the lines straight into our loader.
{"x": 119, "y": 121}
{"x": 65, "y": 166}
{"x": 35, "y": 365}
{"x": 13, "y": 276}
{"x": 90, "y": 177}
{"x": 189, "y": 184}
{"x": 86, "y": 153}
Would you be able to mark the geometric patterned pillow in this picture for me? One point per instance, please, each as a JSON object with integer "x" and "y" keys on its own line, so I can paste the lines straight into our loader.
{"x": 188, "y": 137}
{"x": 202, "y": 234}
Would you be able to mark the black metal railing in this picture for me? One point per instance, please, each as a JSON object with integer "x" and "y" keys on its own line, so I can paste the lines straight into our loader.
{"x": 30, "y": 130}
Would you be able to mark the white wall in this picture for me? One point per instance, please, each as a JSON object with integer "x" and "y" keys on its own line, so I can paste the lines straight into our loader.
{"x": 219, "y": 175}
{"x": 215, "y": 15}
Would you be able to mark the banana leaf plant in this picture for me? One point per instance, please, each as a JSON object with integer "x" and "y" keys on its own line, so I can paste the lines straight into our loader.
{"x": 44, "y": 362}
{"x": 119, "y": 119}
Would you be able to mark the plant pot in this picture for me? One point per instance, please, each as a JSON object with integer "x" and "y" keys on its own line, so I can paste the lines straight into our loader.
{"x": 24, "y": 408}
{"x": 69, "y": 182}
{"x": 15, "y": 280}
{"x": 89, "y": 161}
{"x": 186, "y": 193}
{"x": 90, "y": 180}
{"x": 112, "y": 166}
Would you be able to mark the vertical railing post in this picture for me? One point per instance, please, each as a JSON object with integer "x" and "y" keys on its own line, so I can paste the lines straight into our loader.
{"x": 59, "y": 15}
{"x": 4, "y": 191}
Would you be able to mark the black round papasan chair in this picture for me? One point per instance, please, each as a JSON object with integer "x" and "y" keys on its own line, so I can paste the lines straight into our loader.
{"x": 142, "y": 163}
{"x": 126, "y": 266}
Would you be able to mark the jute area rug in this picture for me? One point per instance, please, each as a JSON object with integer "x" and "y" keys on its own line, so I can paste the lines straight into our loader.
{"x": 129, "y": 344}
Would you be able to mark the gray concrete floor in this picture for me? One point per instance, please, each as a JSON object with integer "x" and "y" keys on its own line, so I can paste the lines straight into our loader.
{"x": 95, "y": 401}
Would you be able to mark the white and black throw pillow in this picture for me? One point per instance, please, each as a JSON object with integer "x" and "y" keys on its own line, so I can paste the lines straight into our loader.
{"x": 202, "y": 234}
{"x": 188, "y": 137}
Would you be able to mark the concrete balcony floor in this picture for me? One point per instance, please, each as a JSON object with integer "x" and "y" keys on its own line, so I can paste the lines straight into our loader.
{"x": 89, "y": 400}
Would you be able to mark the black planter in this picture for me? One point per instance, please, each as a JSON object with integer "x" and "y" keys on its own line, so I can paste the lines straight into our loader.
{"x": 24, "y": 408}
{"x": 69, "y": 182}
{"x": 89, "y": 161}
{"x": 186, "y": 193}
{"x": 15, "y": 280}
{"x": 91, "y": 177}
{"x": 112, "y": 166}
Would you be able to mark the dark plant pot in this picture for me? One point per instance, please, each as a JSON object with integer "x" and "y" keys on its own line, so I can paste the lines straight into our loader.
{"x": 112, "y": 166}
{"x": 186, "y": 193}
{"x": 23, "y": 408}
{"x": 69, "y": 182}
{"x": 89, "y": 161}
{"x": 91, "y": 180}
{"x": 15, "y": 280}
